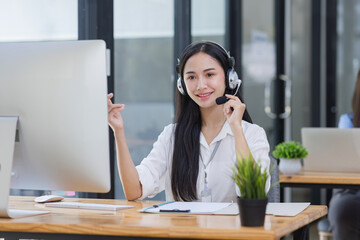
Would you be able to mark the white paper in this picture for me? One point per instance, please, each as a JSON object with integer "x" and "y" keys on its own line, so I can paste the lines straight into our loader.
{"x": 277, "y": 209}
{"x": 286, "y": 209}
{"x": 194, "y": 207}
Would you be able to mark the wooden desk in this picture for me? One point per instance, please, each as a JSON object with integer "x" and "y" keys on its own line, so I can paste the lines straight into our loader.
{"x": 321, "y": 180}
{"x": 64, "y": 223}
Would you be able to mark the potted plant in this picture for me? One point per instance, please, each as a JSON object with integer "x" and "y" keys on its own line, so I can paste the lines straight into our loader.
{"x": 251, "y": 182}
{"x": 290, "y": 155}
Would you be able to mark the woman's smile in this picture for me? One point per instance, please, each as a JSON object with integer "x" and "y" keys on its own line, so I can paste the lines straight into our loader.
{"x": 204, "y": 96}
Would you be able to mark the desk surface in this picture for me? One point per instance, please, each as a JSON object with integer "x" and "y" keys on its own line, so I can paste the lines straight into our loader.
{"x": 321, "y": 178}
{"x": 131, "y": 223}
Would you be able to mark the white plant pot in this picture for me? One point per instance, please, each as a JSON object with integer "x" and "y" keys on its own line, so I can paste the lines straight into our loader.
{"x": 290, "y": 166}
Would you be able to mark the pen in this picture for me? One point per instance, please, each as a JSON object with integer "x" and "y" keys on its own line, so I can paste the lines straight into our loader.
{"x": 155, "y": 206}
{"x": 160, "y": 204}
{"x": 174, "y": 210}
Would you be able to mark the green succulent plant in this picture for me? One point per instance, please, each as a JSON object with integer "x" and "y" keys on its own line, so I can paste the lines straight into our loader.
{"x": 289, "y": 150}
{"x": 249, "y": 178}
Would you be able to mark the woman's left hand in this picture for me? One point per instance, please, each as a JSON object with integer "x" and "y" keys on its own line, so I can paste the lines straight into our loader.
{"x": 234, "y": 117}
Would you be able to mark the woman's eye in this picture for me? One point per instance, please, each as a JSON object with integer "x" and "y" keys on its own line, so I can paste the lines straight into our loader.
{"x": 191, "y": 77}
{"x": 210, "y": 74}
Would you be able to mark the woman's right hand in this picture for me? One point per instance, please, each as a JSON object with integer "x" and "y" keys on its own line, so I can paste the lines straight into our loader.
{"x": 127, "y": 171}
{"x": 114, "y": 117}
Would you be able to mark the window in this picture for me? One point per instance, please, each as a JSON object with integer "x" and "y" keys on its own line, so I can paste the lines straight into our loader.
{"x": 144, "y": 79}
{"x": 38, "y": 20}
{"x": 208, "y": 20}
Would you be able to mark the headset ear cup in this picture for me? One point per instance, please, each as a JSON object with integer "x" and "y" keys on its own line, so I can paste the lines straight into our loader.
{"x": 232, "y": 79}
{"x": 179, "y": 85}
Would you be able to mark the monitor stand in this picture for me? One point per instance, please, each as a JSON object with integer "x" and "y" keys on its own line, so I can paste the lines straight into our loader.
{"x": 7, "y": 147}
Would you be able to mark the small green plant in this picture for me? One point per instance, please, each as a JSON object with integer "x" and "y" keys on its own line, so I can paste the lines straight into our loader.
{"x": 289, "y": 150}
{"x": 249, "y": 178}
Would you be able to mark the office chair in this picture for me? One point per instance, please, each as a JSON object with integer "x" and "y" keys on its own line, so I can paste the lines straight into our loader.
{"x": 274, "y": 193}
{"x": 323, "y": 228}
{"x": 324, "y": 224}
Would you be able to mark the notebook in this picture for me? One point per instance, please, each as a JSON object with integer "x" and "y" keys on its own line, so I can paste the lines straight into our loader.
{"x": 332, "y": 149}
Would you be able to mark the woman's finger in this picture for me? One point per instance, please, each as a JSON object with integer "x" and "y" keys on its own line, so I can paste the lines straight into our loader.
{"x": 232, "y": 97}
{"x": 116, "y": 107}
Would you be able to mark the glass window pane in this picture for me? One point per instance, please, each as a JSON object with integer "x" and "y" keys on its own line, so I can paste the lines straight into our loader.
{"x": 143, "y": 72}
{"x": 208, "y": 20}
{"x": 300, "y": 67}
{"x": 37, "y": 20}
{"x": 348, "y": 50}
{"x": 258, "y": 59}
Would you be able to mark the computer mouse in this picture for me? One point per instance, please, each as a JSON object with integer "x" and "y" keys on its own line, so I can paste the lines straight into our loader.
{"x": 48, "y": 198}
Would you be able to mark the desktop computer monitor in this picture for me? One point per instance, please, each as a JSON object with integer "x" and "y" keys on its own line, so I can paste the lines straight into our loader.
{"x": 53, "y": 117}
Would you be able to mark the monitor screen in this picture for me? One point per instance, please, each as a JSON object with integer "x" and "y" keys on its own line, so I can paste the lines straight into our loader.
{"x": 57, "y": 91}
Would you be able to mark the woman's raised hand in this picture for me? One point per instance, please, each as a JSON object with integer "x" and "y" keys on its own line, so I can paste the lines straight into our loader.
{"x": 234, "y": 116}
{"x": 114, "y": 117}
{"x": 127, "y": 171}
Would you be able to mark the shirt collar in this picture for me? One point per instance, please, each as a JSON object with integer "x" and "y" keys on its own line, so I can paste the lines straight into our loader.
{"x": 225, "y": 130}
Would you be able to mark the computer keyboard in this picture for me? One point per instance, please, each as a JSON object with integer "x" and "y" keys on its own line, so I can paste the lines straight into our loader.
{"x": 92, "y": 206}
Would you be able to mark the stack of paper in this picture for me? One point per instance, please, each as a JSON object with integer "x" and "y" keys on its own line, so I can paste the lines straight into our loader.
{"x": 277, "y": 209}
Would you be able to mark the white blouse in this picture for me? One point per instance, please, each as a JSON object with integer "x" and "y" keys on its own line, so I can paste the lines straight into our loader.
{"x": 155, "y": 170}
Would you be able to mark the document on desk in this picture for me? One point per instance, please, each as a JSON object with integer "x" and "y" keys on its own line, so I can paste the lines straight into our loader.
{"x": 218, "y": 208}
{"x": 286, "y": 209}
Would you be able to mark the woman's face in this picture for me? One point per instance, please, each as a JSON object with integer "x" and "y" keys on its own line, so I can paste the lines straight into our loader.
{"x": 204, "y": 79}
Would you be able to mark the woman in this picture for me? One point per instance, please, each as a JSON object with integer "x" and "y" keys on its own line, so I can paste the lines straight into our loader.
{"x": 192, "y": 158}
{"x": 344, "y": 209}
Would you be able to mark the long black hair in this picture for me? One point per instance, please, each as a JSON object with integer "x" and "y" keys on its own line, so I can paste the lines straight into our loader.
{"x": 185, "y": 164}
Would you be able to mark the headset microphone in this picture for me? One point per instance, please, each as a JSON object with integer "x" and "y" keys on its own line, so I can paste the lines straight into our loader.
{"x": 224, "y": 99}
{"x": 221, "y": 100}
